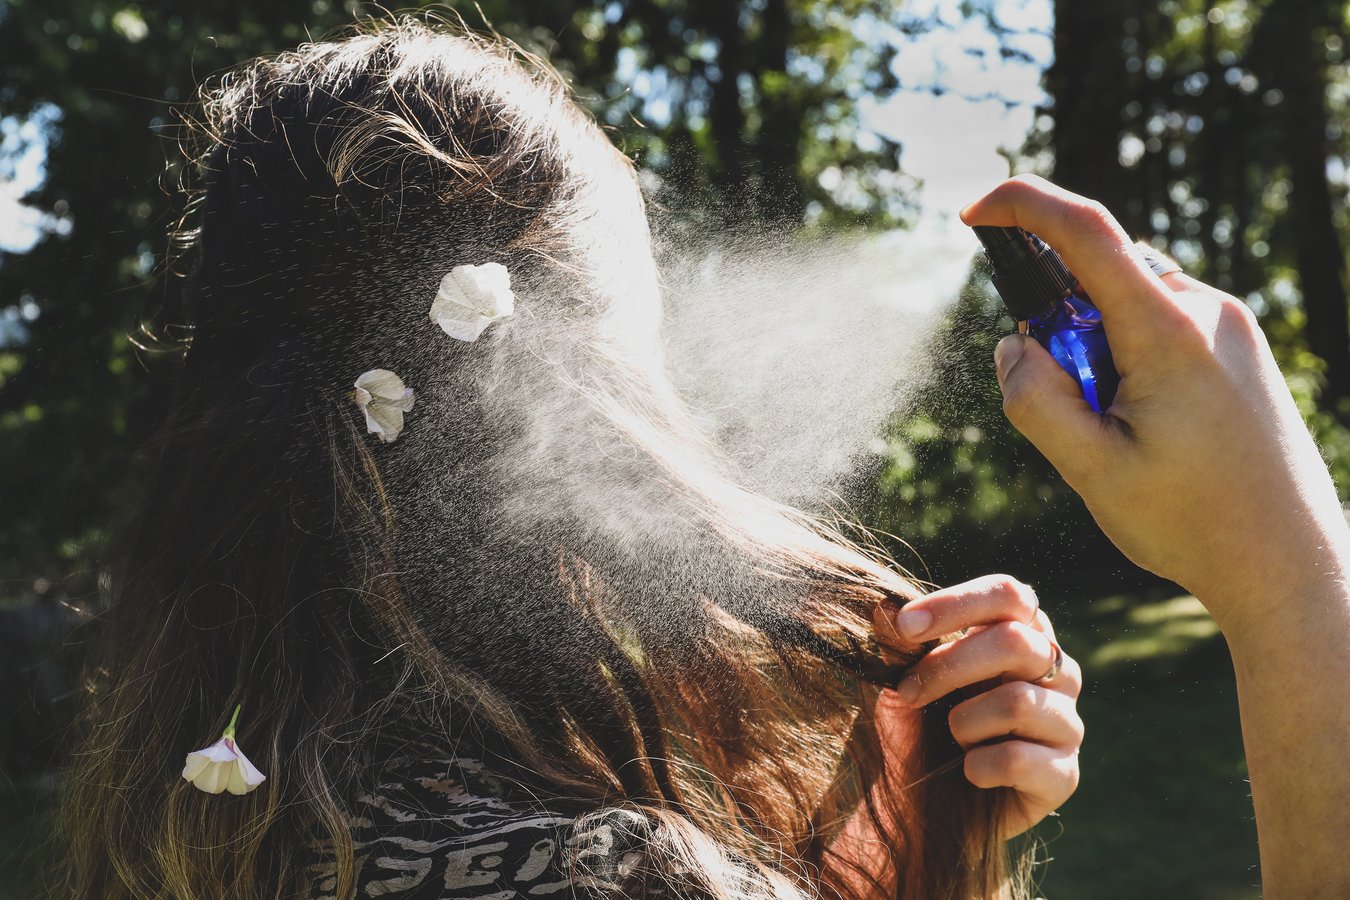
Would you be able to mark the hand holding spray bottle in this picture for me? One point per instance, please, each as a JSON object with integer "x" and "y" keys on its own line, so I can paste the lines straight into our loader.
{"x": 1051, "y": 307}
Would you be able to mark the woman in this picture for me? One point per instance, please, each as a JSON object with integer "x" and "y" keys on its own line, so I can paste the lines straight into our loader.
{"x": 499, "y": 619}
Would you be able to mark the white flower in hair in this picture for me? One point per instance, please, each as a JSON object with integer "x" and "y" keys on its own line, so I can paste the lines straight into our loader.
{"x": 384, "y": 399}
{"x": 223, "y": 766}
{"x": 471, "y": 298}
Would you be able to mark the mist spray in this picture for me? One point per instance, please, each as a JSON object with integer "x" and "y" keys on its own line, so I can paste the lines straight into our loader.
{"x": 1051, "y": 307}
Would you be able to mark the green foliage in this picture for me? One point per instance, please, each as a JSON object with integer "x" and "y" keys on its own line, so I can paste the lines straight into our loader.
{"x": 964, "y": 489}
{"x": 1178, "y": 115}
{"x": 744, "y": 106}
{"x": 1216, "y": 130}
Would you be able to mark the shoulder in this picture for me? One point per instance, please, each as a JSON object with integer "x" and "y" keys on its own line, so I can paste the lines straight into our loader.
{"x": 453, "y": 829}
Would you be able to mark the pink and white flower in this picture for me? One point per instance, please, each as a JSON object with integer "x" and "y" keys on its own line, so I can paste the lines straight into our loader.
{"x": 471, "y": 298}
{"x": 222, "y": 766}
{"x": 384, "y": 399}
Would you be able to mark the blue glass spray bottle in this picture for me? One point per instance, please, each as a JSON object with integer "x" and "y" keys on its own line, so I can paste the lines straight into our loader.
{"x": 1051, "y": 307}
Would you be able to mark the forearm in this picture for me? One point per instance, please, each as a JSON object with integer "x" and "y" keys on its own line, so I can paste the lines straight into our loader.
{"x": 1293, "y": 680}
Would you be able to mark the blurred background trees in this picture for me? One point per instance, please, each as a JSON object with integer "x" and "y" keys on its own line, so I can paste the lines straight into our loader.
{"x": 1217, "y": 129}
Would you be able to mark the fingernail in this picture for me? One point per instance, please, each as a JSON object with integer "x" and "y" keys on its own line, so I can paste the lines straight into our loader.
{"x": 907, "y": 691}
{"x": 1006, "y": 355}
{"x": 913, "y": 623}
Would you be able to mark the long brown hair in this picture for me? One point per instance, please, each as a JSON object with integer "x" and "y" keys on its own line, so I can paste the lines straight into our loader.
{"x": 552, "y": 558}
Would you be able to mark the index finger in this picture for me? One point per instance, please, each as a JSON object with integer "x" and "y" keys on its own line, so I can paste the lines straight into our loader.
{"x": 981, "y": 601}
{"x": 1092, "y": 243}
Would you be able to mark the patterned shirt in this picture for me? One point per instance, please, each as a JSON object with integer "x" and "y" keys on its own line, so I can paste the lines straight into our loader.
{"x": 453, "y": 829}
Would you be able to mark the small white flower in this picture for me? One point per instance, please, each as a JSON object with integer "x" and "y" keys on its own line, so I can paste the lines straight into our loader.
{"x": 471, "y": 298}
{"x": 384, "y": 399}
{"x": 222, "y": 766}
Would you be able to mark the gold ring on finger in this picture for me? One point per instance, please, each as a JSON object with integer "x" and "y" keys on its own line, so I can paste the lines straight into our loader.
{"x": 1159, "y": 262}
{"x": 1055, "y": 666}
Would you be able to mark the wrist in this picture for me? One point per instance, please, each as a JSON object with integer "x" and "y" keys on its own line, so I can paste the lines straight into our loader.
{"x": 1296, "y": 588}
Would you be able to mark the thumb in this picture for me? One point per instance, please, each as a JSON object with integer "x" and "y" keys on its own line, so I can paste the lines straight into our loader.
{"x": 1044, "y": 403}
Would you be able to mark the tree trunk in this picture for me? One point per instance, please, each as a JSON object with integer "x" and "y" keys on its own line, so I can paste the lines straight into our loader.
{"x": 1288, "y": 54}
{"x": 780, "y": 134}
{"x": 1085, "y": 84}
{"x": 726, "y": 117}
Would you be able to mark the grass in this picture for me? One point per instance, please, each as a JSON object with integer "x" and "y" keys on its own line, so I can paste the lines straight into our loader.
{"x": 1163, "y": 811}
{"x": 1164, "y": 808}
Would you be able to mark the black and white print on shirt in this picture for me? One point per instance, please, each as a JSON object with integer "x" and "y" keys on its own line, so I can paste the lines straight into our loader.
{"x": 453, "y": 829}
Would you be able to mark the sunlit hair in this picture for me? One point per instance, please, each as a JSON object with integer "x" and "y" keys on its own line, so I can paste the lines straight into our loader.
{"x": 552, "y": 562}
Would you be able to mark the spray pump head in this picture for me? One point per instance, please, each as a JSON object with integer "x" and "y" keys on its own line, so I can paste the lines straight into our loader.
{"x": 1029, "y": 275}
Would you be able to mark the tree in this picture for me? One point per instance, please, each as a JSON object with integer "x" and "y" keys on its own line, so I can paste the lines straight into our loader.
{"x": 1210, "y": 130}
{"x": 1089, "y": 98}
{"x": 1288, "y": 51}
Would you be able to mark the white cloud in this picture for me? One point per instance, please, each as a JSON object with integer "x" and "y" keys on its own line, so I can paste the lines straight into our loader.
{"x": 20, "y": 225}
{"x": 23, "y": 149}
{"x": 951, "y": 140}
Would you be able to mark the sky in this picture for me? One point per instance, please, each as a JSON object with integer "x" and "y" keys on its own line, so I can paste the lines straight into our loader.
{"x": 950, "y": 140}
{"x": 23, "y": 154}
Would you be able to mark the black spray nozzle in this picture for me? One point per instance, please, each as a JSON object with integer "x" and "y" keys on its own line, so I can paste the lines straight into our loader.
{"x": 1029, "y": 275}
